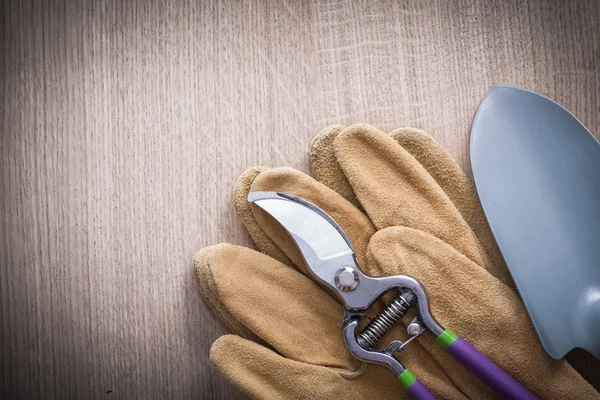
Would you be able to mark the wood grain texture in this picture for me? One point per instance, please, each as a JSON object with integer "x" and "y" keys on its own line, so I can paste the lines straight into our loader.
{"x": 125, "y": 125}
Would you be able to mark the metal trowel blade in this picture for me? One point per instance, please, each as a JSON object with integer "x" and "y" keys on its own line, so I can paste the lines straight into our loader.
{"x": 537, "y": 172}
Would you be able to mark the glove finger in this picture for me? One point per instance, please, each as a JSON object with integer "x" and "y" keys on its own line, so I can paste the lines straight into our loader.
{"x": 479, "y": 307}
{"x": 357, "y": 226}
{"x": 244, "y": 211}
{"x": 263, "y": 299}
{"x": 448, "y": 175}
{"x": 395, "y": 190}
{"x": 325, "y": 166}
{"x": 263, "y": 374}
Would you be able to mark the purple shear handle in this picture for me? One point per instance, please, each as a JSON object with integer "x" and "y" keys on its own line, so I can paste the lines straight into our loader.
{"x": 414, "y": 387}
{"x": 491, "y": 374}
{"x": 418, "y": 391}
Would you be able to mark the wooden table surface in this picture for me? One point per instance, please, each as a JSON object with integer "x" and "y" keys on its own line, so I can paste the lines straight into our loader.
{"x": 125, "y": 125}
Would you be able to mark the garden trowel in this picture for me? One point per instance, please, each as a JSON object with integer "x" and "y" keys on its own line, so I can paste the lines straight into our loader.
{"x": 537, "y": 172}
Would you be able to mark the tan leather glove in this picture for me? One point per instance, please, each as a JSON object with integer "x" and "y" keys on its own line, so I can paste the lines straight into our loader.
{"x": 429, "y": 222}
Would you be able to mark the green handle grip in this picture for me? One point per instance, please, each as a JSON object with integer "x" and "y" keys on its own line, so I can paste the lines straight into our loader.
{"x": 414, "y": 387}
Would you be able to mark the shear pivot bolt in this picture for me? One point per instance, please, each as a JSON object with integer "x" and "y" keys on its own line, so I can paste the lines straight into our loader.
{"x": 346, "y": 279}
{"x": 414, "y": 329}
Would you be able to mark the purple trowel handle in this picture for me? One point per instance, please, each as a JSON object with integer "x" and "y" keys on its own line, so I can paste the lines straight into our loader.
{"x": 491, "y": 374}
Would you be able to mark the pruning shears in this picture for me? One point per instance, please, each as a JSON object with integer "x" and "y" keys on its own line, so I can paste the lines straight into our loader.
{"x": 331, "y": 262}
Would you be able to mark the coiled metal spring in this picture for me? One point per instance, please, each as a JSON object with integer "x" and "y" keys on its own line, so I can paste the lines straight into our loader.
{"x": 386, "y": 319}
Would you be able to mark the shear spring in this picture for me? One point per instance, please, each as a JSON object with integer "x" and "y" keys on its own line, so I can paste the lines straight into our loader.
{"x": 386, "y": 319}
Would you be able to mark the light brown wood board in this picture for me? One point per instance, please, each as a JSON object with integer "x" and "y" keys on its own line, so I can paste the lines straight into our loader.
{"x": 125, "y": 125}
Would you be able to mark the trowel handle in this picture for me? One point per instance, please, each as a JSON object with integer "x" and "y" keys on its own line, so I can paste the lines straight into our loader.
{"x": 482, "y": 367}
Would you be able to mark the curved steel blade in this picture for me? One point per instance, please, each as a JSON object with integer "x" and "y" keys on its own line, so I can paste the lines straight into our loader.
{"x": 328, "y": 253}
{"x": 307, "y": 222}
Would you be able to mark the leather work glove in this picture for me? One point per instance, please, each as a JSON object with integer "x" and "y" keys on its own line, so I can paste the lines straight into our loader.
{"x": 421, "y": 218}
